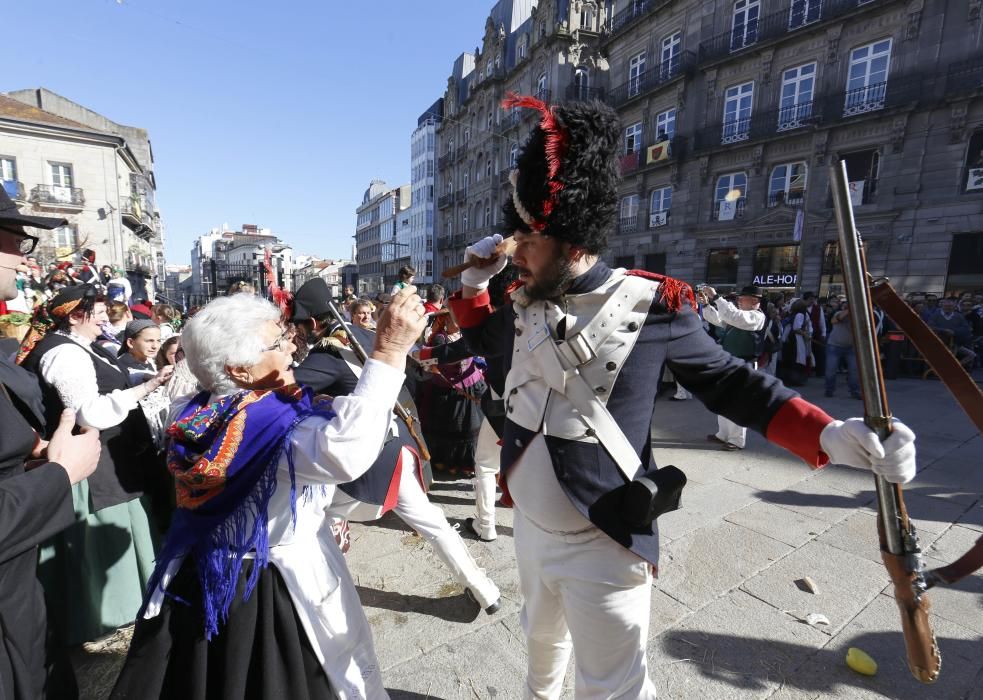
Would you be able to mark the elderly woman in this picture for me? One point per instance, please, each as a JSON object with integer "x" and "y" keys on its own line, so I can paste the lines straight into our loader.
{"x": 256, "y": 460}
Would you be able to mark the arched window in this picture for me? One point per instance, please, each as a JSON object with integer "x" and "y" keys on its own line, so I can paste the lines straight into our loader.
{"x": 513, "y": 155}
{"x": 487, "y": 221}
{"x": 729, "y": 196}
{"x": 490, "y": 120}
{"x": 587, "y": 16}
{"x": 488, "y": 167}
{"x": 787, "y": 184}
{"x": 541, "y": 87}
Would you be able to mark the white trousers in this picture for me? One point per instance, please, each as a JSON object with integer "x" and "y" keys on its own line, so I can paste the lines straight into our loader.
{"x": 731, "y": 432}
{"x": 487, "y": 460}
{"x": 586, "y": 593}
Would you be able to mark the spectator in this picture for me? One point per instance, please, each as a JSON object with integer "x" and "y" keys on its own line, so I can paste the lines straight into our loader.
{"x": 362, "y": 314}
{"x": 141, "y": 341}
{"x": 118, "y": 288}
{"x": 435, "y": 299}
{"x": 953, "y": 327}
{"x": 839, "y": 349}
{"x": 406, "y": 276}
{"x": 818, "y": 330}
{"x": 170, "y": 352}
{"x": 167, "y": 317}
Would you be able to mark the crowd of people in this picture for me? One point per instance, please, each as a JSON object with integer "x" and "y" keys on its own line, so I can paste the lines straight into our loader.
{"x": 197, "y": 472}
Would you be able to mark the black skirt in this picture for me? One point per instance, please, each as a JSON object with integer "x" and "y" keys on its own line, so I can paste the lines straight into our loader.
{"x": 261, "y": 652}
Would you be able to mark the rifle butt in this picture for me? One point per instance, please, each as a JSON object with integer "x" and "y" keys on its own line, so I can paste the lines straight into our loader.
{"x": 922, "y": 650}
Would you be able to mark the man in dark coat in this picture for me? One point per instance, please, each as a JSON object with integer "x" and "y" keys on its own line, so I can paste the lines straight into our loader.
{"x": 583, "y": 347}
{"x": 35, "y": 503}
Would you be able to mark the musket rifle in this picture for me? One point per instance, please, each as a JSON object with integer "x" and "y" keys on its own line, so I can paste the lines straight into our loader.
{"x": 899, "y": 541}
{"x": 398, "y": 408}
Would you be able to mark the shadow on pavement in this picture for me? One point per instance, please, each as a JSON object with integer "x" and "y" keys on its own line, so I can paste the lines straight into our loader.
{"x": 794, "y": 498}
{"x": 755, "y": 665}
{"x": 456, "y": 608}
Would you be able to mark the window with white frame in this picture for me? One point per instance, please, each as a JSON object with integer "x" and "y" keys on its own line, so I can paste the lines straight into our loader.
{"x": 520, "y": 48}
{"x": 581, "y": 82}
{"x": 541, "y": 86}
{"x": 488, "y": 219}
{"x": 513, "y": 155}
{"x": 633, "y": 138}
{"x": 8, "y": 169}
{"x": 729, "y": 196}
{"x": 629, "y": 213}
{"x": 744, "y": 27}
{"x": 795, "y": 103}
{"x": 737, "y": 112}
{"x": 488, "y": 167}
{"x": 61, "y": 181}
{"x": 665, "y": 124}
{"x": 660, "y": 201}
{"x": 803, "y": 12}
{"x": 787, "y": 184}
{"x": 587, "y": 17}
{"x": 65, "y": 239}
{"x": 669, "y": 59}
{"x": 866, "y": 85}
{"x": 636, "y": 66}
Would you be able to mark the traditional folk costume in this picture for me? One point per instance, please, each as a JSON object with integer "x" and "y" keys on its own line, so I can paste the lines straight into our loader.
{"x": 740, "y": 339}
{"x": 582, "y": 375}
{"x": 95, "y": 570}
{"x": 256, "y": 472}
{"x": 396, "y": 479}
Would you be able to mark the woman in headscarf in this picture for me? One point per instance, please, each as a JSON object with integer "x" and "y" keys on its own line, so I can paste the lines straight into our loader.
{"x": 256, "y": 460}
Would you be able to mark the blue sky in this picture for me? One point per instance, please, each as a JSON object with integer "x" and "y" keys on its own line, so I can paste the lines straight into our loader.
{"x": 272, "y": 113}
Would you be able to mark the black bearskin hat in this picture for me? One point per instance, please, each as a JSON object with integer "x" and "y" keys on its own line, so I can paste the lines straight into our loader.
{"x": 566, "y": 179}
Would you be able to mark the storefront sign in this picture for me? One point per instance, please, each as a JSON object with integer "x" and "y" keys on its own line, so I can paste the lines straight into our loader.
{"x": 779, "y": 280}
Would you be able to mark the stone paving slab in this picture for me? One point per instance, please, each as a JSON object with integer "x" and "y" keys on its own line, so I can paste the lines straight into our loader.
{"x": 815, "y": 499}
{"x": 706, "y": 563}
{"x": 876, "y": 631}
{"x": 778, "y": 523}
{"x": 736, "y": 647}
{"x": 846, "y": 584}
{"x": 702, "y": 505}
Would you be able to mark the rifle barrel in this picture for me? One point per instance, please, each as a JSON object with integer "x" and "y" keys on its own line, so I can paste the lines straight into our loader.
{"x": 876, "y": 413}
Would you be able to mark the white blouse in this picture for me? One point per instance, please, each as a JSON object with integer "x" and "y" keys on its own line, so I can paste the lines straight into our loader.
{"x": 68, "y": 368}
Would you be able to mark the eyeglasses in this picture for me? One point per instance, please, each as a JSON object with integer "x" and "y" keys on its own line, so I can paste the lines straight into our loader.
{"x": 285, "y": 337}
{"x": 27, "y": 243}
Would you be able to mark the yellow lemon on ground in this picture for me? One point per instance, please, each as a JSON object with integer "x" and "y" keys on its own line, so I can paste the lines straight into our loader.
{"x": 860, "y": 661}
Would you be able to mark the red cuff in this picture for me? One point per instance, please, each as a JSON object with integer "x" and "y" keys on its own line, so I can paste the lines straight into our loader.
{"x": 471, "y": 312}
{"x": 426, "y": 352}
{"x": 796, "y": 427}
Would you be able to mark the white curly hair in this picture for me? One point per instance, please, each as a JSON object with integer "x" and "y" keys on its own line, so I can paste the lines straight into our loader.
{"x": 226, "y": 333}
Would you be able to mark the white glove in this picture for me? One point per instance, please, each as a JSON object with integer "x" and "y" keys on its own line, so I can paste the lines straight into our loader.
{"x": 478, "y": 277}
{"x": 852, "y": 443}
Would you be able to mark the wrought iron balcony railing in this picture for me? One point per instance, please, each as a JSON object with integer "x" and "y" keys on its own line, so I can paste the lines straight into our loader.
{"x": 793, "y": 198}
{"x": 793, "y": 16}
{"x": 635, "y": 10}
{"x": 580, "y": 93}
{"x": 651, "y": 79}
{"x": 445, "y": 200}
{"x": 61, "y": 196}
{"x": 445, "y": 160}
{"x": 628, "y": 224}
{"x": 461, "y": 194}
{"x": 964, "y": 76}
{"x": 460, "y": 153}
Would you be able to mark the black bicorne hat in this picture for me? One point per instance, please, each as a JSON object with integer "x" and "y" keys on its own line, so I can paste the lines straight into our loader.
{"x": 11, "y": 216}
{"x": 565, "y": 184}
{"x": 311, "y": 300}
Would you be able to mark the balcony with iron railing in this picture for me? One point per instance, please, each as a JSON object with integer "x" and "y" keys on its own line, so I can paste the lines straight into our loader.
{"x": 792, "y": 198}
{"x": 54, "y": 196}
{"x": 445, "y": 200}
{"x": 134, "y": 212}
{"x": 461, "y": 194}
{"x": 582, "y": 93}
{"x": 460, "y": 153}
{"x": 628, "y": 224}
{"x": 637, "y": 9}
{"x": 964, "y": 77}
{"x": 739, "y": 206}
{"x": 445, "y": 160}
{"x": 792, "y": 16}
{"x": 14, "y": 190}
{"x": 652, "y": 79}
{"x": 444, "y": 242}
{"x": 459, "y": 240}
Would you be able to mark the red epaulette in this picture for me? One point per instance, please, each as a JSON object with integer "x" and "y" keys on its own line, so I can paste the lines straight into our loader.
{"x": 674, "y": 291}
{"x": 516, "y": 284}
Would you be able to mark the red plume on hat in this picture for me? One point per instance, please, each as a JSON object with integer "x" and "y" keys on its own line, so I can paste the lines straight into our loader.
{"x": 556, "y": 147}
{"x": 64, "y": 265}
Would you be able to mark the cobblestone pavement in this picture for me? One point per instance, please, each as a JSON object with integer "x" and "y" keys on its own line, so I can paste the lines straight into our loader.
{"x": 728, "y": 611}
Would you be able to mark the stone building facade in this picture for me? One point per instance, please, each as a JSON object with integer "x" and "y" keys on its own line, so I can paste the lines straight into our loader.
{"x": 733, "y": 113}
{"x": 756, "y": 99}
{"x": 58, "y": 158}
{"x": 549, "y": 49}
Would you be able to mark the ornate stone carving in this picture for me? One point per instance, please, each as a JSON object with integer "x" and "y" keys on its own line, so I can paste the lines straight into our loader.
{"x": 897, "y": 133}
{"x": 767, "y": 57}
{"x": 575, "y": 50}
{"x": 833, "y": 44}
{"x": 957, "y": 121}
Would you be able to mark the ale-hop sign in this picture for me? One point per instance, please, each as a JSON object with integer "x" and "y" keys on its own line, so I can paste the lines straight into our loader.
{"x": 787, "y": 279}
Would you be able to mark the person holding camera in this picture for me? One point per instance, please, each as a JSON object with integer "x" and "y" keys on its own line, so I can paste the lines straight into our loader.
{"x": 741, "y": 326}
{"x": 582, "y": 347}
